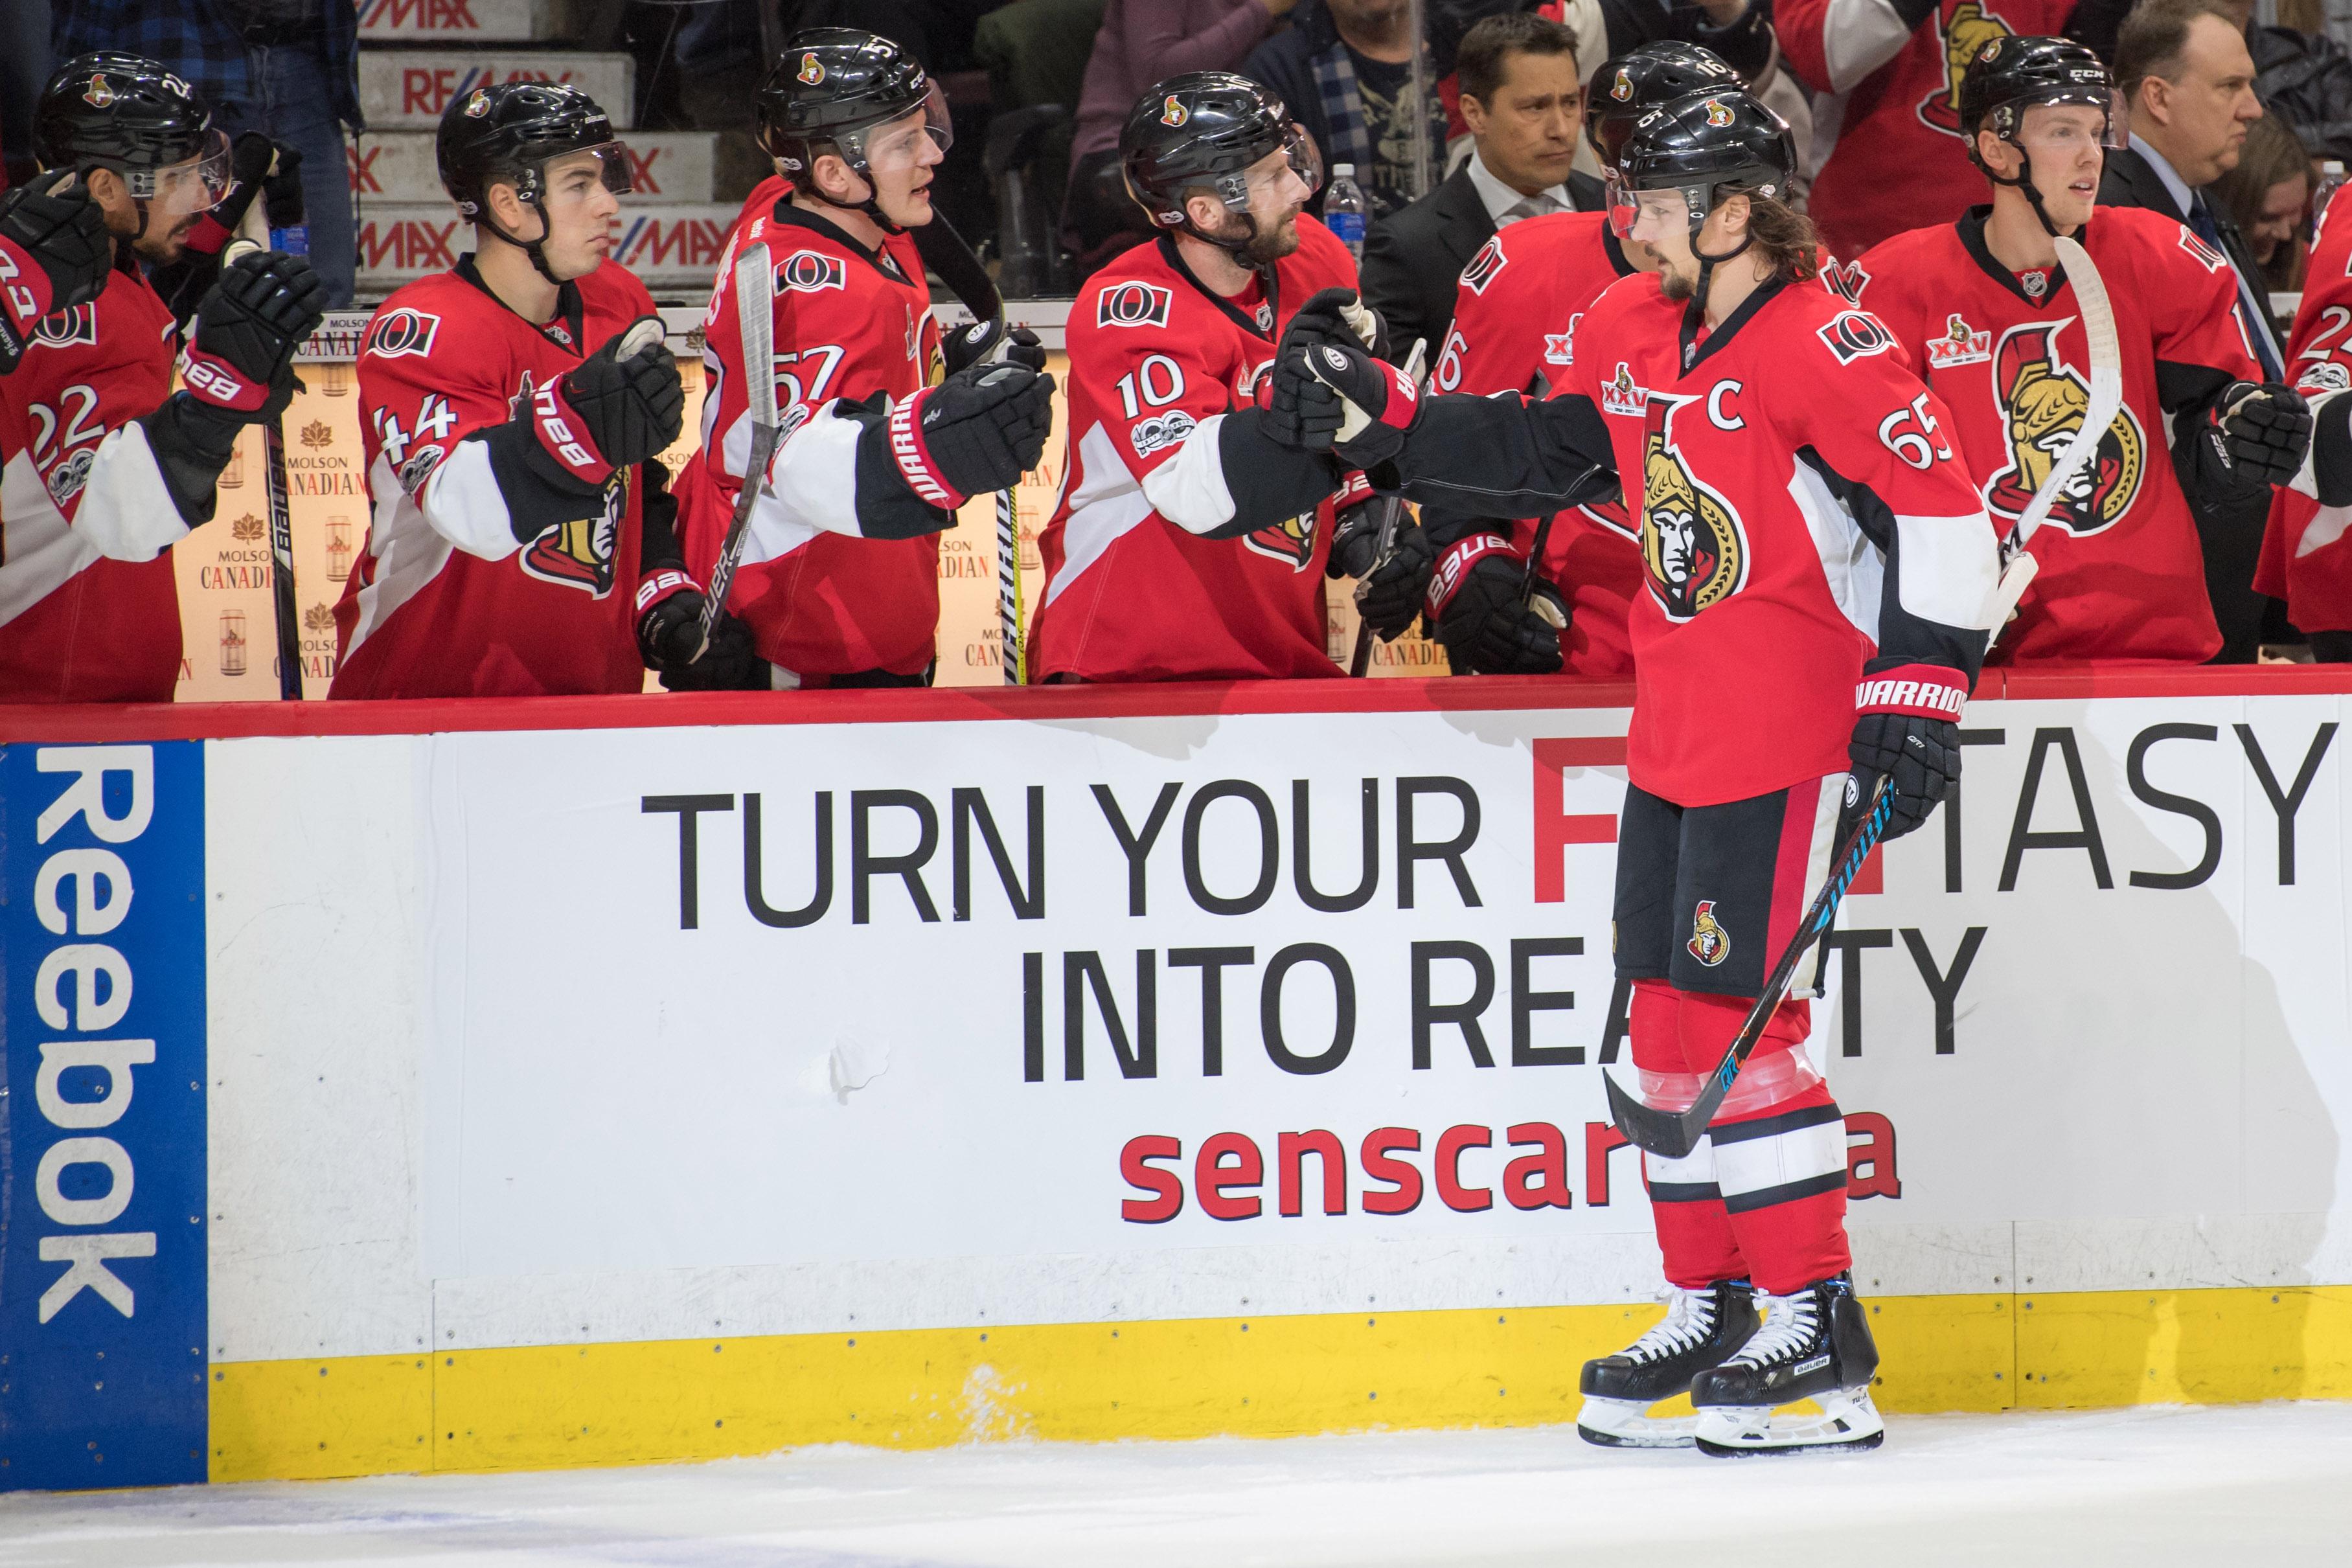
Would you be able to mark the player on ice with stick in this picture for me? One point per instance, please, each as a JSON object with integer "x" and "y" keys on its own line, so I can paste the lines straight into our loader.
{"x": 105, "y": 465}
{"x": 876, "y": 434}
{"x": 1820, "y": 573}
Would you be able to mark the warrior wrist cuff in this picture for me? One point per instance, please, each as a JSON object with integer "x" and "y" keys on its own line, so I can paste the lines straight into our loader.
{"x": 661, "y": 585}
{"x": 1453, "y": 566}
{"x": 913, "y": 455}
{"x": 1919, "y": 691}
{"x": 564, "y": 436}
{"x": 214, "y": 381}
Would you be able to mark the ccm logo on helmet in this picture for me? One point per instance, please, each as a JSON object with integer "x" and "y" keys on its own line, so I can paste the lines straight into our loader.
{"x": 809, "y": 272}
{"x": 1852, "y": 334}
{"x": 402, "y": 333}
{"x": 1133, "y": 305}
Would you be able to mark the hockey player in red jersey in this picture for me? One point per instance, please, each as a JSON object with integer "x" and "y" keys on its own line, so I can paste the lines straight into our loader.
{"x": 1515, "y": 320}
{"x": 518, "y": 547}
{"x": 839, "y": 581}
{"x": 1820, "y": 571}
{"x": 105, "y": 466}
{"x": 1994, "y": 325}
{"x": 1888, "y": 140}
{"x": 1188, "y": 543}
{"x": 2306, "y": 557}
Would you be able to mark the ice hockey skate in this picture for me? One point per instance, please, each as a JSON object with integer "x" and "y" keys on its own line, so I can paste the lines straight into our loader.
{"x": 1812, "y": 1345}
{"x": 1701, "y": 1328}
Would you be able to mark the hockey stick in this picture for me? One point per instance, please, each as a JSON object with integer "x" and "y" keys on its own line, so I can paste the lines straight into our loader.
{"x": 1674, "y": 1133}
{"x": 1359, "y": 662}
{"x": 281, "y": 522}
{"x": 2018, "y": 567}
{"x": 755, "y": 324}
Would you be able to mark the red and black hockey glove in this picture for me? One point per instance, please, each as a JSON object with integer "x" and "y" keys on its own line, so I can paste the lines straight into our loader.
{"x": 54, "y": 253}
{"x": 1906, "y": 731}
{"x": 978, "y": 430}
{"x": 239, "y": 363}
{"x": 609, "y": 410}
{"x": 2263, "y": 430}
{"x": 1490, "y": 624}
{"x": 993, "y": 343}
{"x": 669, "y": 631}
{"x": 1378, "y": 402}
{"x": 1389, "y": 583}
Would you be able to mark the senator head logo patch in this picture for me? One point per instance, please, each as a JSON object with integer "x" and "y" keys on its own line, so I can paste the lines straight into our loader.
{"x": 2041, "y": 401}
{"x": 1718, "y": 114}
{"x": 811, "y": 71}
{"x": 100, "y": 93}
{"x": 1174, "y": 112}
{"x": 1709, "y": 943}
{"x": 1694, "y": 550}
{"x": 479, "y": 105}
{"x": 1970, "y": 28}
{"x": 1622, "y": 89}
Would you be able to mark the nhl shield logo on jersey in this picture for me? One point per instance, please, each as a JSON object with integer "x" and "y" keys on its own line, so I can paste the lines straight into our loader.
{"x": 2041, "y": 401}
{"x": 1693, "y": 550}
{"x": 1967, "y": 27}
{"x": 1709, "y": 943}
{"x": 1961, "y": 345}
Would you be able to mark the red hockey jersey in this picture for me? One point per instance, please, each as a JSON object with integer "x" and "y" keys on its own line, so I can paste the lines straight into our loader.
{"x": 1156, "y": 359}
{"x": 2307, "y": 559}
{"x": 849, "y": 323}
{"x": 1515, "y": 320}
{"x": 443, "y": 602}
{"x": 88, "y": 608}
{"x": 2122, "y": 574}
{"x": 1888, "y": 151}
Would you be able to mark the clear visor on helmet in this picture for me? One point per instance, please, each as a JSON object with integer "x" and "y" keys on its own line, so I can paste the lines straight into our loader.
{"x": 2063, "y": 129}
{"x": 191, "y": 185}
{"x": 574, "y": 178}
{"x": 1292, "y": 182}
{"x": 916, "y": 138}
{"x": 1674, "y": 207}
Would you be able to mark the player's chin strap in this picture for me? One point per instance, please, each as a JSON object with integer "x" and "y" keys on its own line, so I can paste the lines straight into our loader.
{"x": 1694, "y": 314}
{"x": 2023, "y": 182}
{"x": 535, "y": 249}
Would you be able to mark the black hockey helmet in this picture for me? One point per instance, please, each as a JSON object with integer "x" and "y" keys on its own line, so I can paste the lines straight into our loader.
{"x": 1630, "y": 85}
{"x": 128, "y": 113}
{"x": 506, "y": 134}
{"x": 1204, "y": 129}
{"x": 831, "y": 90}
{"x": 2007, "y": 76}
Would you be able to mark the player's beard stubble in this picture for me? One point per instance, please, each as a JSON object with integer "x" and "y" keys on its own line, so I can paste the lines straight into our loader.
{"x": 1265, "y": 246}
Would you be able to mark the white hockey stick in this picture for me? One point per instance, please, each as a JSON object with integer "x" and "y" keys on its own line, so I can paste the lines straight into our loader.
{"x": 755, "y": 320}
{"x": 2017, "y": 567}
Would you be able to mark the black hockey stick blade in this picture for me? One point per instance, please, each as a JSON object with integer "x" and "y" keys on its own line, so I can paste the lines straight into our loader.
{"x": 944, "y": 252}
{"x": 1674, "y": 1133}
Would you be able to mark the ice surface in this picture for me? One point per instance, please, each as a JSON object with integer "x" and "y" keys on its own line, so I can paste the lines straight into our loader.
{"x": 2151, "y": 1486}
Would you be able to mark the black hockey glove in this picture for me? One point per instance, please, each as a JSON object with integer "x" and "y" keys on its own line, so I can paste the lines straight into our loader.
{"x": 1489, "y": 624}
{"x": 978, "y": 430}
{"x": 1389, "y": 585}
{"x": 1338, "y": 316}
{"x": 979, "y": 343}
{"x": 239, "y": 363}
{"x": 1906, "y": 732}
{"x": 54, "y": 254}
{"x": 1378, "y": 402}
{"x": 281, "y": 191}
{"x": 609, "y": 412}
{"x": 2265, "y": 431}
{"x": 669, "y": 631}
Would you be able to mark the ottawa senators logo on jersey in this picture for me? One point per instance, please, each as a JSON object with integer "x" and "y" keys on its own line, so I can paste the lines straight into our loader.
{"x": 1621, "y": 394}
{"x": 1484, "y": 265}
{"x": 2041, "y": 401}
{"x": 1709, "y": 943}
{"x": 65, "y": 329}
{"x": 1968, "y": 28}
{"x": 1852, "y": 334}
{"x": 579, "y": 554}
{"x": 400, "y": 333}
{"x": 1133, "y": 305}
{"x": 1693, "y": 550}
{"x": 1961, "y": 344}
{"x": 813, "y": 271}
{"x": 1291, "y": 541}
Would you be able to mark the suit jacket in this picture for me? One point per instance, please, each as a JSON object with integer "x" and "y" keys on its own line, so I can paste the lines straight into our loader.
{"x": 2231, "y": 535}
{"x": 1415, "y": 256}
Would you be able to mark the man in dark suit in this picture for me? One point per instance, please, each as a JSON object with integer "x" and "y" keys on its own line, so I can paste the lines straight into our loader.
{"x": 2183, "y": 67}
{"x": 1522, "y": 99}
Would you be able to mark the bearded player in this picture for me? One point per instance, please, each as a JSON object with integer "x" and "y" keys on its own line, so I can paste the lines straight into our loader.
{"x": 1993, "y": 324}
{"x": 839, "y": 585}
{"x": 1188, "y": 543}
{"x": 105, "y": 465}
{"x": 1818, "y": 569}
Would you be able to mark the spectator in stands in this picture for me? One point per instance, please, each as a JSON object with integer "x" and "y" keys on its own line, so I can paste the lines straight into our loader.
{"x": 1141, "y": 42}
{"x": 288, "y": 69}
{"x": 2268, "y": 195}
{"x": 1345, "y": 69}
{"x": 1522, "y": 101}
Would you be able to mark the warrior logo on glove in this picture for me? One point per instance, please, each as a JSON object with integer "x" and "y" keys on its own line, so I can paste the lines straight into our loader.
{"x": 2042, "y": 401}
{"x": 1693, "y": 545}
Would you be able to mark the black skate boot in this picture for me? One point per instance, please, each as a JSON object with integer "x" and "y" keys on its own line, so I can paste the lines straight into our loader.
{"x": 1700, "y": 1329}
{"x": 1814, "y": 1345}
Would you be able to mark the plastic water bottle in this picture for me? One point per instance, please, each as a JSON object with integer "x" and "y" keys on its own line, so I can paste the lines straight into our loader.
{"x": 2331, "y": 180}
{"x": 1344, "y": 208}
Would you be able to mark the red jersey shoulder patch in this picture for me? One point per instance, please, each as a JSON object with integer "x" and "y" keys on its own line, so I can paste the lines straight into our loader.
{"x": 1134, "y": 304}
{"x": 1853, "y": 334}
{"x": 1484, "y": 265}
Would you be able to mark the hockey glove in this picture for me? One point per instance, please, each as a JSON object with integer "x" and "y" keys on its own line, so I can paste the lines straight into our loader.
{"x": 240, "y": 362}
{"x": 54, "y": 254}
{"x": 979, "y": 344}
{"x": 669, "y": 631}
{"x": 2265, "y": 431}
{"x": 1905, "y": 730}
{"x": 1488, "y": 622}
{"x": 608, "y": 411}
{"x": 281, "y": 191}
{"x": 1378, "y": 402}
{"x": 1389, "y": 584}
{"x": 978, "y": 430}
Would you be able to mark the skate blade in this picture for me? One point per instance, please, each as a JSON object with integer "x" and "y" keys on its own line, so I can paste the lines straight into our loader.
{"x": 1625, "y": 1424}
{"x": 1846, "y": 1422}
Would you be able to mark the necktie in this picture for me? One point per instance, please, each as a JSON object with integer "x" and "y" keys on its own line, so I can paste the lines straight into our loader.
{"x": 2200, "y": 221}
{"x": 1533, "y": 206}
